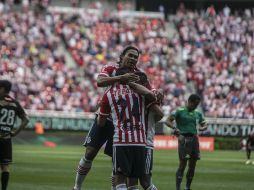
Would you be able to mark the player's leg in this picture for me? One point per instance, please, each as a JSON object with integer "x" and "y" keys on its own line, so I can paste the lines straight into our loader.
{"x": 248, "y": 153}
{"x": 132, "y": 183}
{"x": 190, "y": 173}
{"x": 182, "y": 161}
{"x": 109, "y": 149}
{"x": 5, "y": 176}
{"x": 84, "y": 166}
{"x": 180, "y": 172}
{"x": 94, "y": 140}
{"x": 137, "y": 159}
{"x": 146, "y": 180}
{"x": 120, "y": 167}
{"x": 5, "y": 160}
{"x": 194, "y": 156}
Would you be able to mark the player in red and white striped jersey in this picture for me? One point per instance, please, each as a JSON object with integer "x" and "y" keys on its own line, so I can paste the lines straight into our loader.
{"x": 127, "y": 109}
{"x": 126, "y": 104}
{"x": 96, "y": 136}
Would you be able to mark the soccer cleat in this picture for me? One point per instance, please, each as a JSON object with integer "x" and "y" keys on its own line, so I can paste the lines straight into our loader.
{"x": 248, "y": 162}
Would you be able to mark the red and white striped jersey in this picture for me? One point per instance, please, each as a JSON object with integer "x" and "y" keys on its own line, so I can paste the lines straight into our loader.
{"x": 109, "y": 70}
{"x": 127, "y": 109}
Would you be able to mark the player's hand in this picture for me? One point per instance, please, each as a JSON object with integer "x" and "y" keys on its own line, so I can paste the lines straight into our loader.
{"x": 13, "y": 133}
{"x": 202, "y": 128}
{"x": 159, "y": 94}
{"x": 129, "y": 77}
{"x": 176, "y": 132}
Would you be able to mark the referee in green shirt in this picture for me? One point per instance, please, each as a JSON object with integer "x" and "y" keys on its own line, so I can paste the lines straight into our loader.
{"x": 187, "y": 119}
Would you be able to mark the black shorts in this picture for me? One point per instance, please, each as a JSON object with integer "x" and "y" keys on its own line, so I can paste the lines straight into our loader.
{"x": 148, "y": 161}
{"x": 129, "y": 161}
{"x": 98, "y": 135}
{"x": 188, "y": 147}
{"x": 5, "y": 151}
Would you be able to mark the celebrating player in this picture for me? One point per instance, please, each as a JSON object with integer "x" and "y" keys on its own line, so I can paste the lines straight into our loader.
{"x": 98, "y": 136}
{"x": 126, "y": 104}
{"x": 9, "y": 109}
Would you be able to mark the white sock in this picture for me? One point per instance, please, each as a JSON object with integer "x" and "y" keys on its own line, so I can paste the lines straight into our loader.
{"x": 83, "y": 169}
{"x": 135, "y": 187}
{"x": 121, "y": 187}
{"x": 152, "y": 187}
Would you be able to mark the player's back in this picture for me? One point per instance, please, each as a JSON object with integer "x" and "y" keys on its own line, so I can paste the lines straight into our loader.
{"x": 128, "y": 114}
{"x": 9, "y": 109}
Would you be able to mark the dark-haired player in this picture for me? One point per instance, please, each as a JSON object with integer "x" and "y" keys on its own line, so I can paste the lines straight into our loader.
{"x": 153, "y": 114}
{"x": 249, "y": 147}
{"x": 126, "y": 104}
{"x": 98, "y": 136}
{"x": 187, "y": 118}
{"x": 9, "y": 109}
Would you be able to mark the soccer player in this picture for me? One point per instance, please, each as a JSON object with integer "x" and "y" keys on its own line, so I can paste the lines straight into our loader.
{"x": 126, "y": 104}
{"x": 153, "y": 114}
{"x": 98, "y": 136}
{"x": 9, "y": 109}
{"x": 187, "y": 118}
{"x": 249, "y": 147}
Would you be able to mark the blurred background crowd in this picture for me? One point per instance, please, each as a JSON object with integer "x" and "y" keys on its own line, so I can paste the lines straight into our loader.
{"x": 53, "y": 58}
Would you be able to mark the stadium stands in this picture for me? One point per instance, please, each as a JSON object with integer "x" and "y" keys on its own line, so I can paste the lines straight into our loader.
{"x": 216, "y": 47}
{"x": 43, "y": 80}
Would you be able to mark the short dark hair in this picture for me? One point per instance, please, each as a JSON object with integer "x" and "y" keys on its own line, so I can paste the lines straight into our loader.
{"x": 6, "y": 85}
{"x": 194, "y": 97}
{"x": 129, "y": 48}
{"x": 122, "y": 71}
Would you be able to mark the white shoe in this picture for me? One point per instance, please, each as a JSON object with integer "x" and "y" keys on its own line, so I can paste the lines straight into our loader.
{"x": 248, "y": 162}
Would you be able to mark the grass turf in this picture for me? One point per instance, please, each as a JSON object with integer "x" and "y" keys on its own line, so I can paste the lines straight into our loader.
{"x": 41, "y": 168}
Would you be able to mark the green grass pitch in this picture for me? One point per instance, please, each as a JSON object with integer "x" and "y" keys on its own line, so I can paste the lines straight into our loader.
{"x": 41, "y": 168}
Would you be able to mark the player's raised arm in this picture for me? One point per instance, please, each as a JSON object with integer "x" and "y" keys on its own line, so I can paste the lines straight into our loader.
{"x": 142, "y": 91}
{"x": 104, "y": 81}
{"x": 158, "y": 112}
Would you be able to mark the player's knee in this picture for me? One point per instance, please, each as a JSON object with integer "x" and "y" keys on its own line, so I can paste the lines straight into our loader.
{"x": 5, "y": 168}
{"x": 90, "y": 153}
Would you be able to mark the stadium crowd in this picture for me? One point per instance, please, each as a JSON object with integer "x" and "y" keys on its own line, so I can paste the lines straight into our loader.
{"x": 218, "y": 49}
{"x": 31, "y": 57}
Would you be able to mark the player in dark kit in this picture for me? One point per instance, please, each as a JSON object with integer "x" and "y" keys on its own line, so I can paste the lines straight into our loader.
{"x": 249, "y": 147}
{"x": 187, "y": 119}
{"x": 9, "y": 109}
